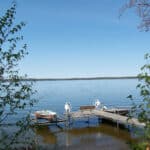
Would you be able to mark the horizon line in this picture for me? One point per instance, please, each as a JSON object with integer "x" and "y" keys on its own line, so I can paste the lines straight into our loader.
{"x": 73, "y": 78}
{"x": 82, "y": 78}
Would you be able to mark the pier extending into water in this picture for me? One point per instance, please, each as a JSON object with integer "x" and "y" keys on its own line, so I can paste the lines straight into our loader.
{"x": 115, "y": 118}
{"x": 111, "y": 115}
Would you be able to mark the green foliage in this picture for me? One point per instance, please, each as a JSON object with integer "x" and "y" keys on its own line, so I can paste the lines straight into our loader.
{"x": 140, "y": 146}
{"x": 144, "y": 87}
{"x": 142, "y": 110}
{"x": 15, "y": 94}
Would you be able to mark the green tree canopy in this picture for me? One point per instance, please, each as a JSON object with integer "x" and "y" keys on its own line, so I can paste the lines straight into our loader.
{"x": 15, "y": 94}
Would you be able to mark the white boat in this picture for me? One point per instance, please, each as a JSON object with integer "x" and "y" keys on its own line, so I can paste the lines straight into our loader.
{"x": 45, "y": 114}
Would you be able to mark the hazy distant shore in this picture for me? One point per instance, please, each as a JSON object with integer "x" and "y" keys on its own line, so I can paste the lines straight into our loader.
{"x": 75, "y": 78}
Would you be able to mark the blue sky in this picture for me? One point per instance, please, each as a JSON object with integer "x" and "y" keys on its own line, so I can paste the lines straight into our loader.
{"x": 80, "y": 38}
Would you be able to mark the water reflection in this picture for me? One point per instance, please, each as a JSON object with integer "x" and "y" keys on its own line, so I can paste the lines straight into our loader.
{"x": 102, "y": 135}
{"x": 46, "y": 134}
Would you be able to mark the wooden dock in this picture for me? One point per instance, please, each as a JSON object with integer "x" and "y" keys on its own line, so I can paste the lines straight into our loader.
{"x": 110, "y": 115}
{"x": 117, "y": 118}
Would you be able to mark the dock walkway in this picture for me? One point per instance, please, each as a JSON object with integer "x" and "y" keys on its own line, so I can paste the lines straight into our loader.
{"x": 119, "y": 119}
{"x": 110, "y": 115}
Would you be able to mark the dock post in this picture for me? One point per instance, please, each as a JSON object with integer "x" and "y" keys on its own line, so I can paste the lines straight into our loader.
{"x": 88, "y": 121}
{"x": 56, "y": 120}
{"x": 99, "y": 120}
{"x": 117, "y": 125}
{"x": 67, "y": 120}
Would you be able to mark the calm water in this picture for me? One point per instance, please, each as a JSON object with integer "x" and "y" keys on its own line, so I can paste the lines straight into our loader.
{"x": 53, "y": 94}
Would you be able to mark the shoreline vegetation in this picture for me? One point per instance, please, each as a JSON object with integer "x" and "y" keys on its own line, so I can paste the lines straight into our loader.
{"x": 75, "y": 78}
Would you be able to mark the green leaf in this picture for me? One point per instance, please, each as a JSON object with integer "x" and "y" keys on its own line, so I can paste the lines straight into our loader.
{"x": 130, "y": 97}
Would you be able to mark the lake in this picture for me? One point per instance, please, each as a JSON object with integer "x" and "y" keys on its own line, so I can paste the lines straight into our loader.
{"x": 52, "y": 95}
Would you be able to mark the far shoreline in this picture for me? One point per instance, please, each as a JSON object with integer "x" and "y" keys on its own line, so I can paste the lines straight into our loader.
{"x": 74, "y": 78}
{"x": 79, "y": 78}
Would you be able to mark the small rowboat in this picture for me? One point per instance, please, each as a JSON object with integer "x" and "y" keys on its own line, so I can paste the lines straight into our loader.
{"x": 45, "y": 114}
